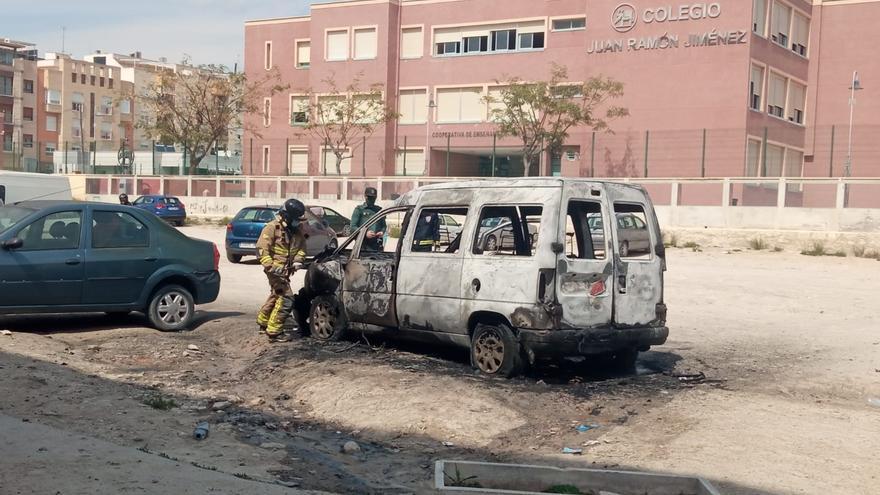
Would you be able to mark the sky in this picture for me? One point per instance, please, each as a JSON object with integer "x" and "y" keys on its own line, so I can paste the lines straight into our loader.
{"x": 209, "y": 31}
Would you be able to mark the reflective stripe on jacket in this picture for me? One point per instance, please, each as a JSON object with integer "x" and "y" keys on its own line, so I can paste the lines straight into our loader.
{"x": 276, "y": 248}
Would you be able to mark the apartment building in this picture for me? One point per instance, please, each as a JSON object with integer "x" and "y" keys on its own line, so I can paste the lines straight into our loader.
{"x": 755, "y": 88}
{"x": 18, "y": 106}
{"x": 84, "y": 107}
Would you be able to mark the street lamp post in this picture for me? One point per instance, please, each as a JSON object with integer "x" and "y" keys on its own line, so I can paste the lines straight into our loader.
{"x": 431, "y": 106}
{"x": 855, "y": 86}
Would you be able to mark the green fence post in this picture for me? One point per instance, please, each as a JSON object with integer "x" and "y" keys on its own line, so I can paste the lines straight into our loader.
{"x": 647, "y": 138}
{"x": 593, "y": 156}
{"x": 404, "y": 156}
{"x": 703, "y": 159}
{"x": 448, "y": 147}
{"x": 65, "y": 157}
{"x": 153, "y": 156}
{"x": 494, "y": 150}
{"x": 364, "y": 157}
{"x": 217, "y": 159}
{"x": 831, "y": 156}
{"x": 764, "y": 155}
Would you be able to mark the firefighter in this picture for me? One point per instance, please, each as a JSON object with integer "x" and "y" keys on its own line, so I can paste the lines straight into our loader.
{"x": 427, "y": 234}
{"x": 123, "y": 200}
{"x": 281, "y": 250}
{"x": 361, "y": 216}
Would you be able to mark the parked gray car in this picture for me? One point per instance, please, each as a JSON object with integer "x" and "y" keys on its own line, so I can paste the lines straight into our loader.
{"x": 632, "y": 233}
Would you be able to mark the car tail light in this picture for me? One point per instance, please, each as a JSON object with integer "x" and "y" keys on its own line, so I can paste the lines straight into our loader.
{"x": 216, "y": 257}
{"x": 160, "y": 206}
{"x": 228, "y": 227}
{"x": 597, "y": 288}
{"x": 182, "y": 205}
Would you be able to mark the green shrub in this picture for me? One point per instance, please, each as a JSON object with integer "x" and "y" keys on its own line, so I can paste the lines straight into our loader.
{"x": 777, "y": 249}
{"x": 758, "y": 244}
{"x": 160, "y": 403}
{"x": 671, "y": 240}
{"x": 816, "y": 248}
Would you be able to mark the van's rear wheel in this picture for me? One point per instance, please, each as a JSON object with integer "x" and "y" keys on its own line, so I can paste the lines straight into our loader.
{"x": 491, "y": 243}
{"x": 495, "y": 351}
{"x": 624, "y": 360}
{"x": 624, "y": 249}
{"x": 326, "y": 321}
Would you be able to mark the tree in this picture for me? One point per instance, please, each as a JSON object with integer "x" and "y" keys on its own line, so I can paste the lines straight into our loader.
{"x": 341, "y": 119}
{"x": 196, "y": 106}
{"x": 542, "y": 113}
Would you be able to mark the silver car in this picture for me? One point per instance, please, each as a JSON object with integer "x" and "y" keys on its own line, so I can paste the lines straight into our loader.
{"x": 633, "y": 236}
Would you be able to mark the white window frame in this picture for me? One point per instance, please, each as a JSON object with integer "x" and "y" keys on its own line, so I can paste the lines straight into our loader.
{"x": 268, "y": 53}
{"x": 49, "y": 94}
{"x": 790, "y": 106}
{"x": 766, "y": 16}
{"x": 423, "y": 89}
{"x": 353, "y": 40}
{"x": 54, "y": 127}
{"x": 267, "y": 112}
{"x": 297, "y": 148}
{"x": 296, "y": 62}
{"x": 438, "y": 89}
{"x": 308, "y": 105}
{"x": 762, "y": 89}
{"x": 327, "y": 33}
{"x": 421, "y": 30}
{"x": 553, "y": 21}
{"x": 785, "y": 77}
{"x": 400, "y": 152}
{"x": 266, "y": 159}
{"x": 774, "y": 34}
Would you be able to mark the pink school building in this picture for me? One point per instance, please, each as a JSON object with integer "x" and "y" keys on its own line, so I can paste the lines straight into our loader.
{"x": 728, "y": 88}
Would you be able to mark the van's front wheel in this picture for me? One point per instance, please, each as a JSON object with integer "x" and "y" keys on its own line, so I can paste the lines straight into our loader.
{"x": 495, "y": 351}
{"x": 326, "y": 321}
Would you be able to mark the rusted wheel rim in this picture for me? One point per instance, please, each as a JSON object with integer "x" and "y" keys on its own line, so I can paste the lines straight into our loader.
{"x": 491, "y": 243}
{"x": 324, "y": 321}
{"x": 489, "y": 351}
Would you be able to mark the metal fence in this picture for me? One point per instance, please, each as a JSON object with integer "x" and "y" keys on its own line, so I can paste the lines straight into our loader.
{"x": 726, "y": 192}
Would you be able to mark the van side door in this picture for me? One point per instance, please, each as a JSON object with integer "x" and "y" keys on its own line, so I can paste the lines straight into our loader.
{"x": 638, "y": 263}
{"x": 429, "y": 278}
{"x": 369, "y": 283}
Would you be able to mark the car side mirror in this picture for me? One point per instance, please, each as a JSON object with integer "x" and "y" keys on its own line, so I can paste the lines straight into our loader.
{"x": 14, "y": 243}
{"x": 557, "y": 247}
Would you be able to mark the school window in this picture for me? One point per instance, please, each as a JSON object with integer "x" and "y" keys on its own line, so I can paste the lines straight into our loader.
{"x": 633, "y": 233}
{"x": 508, "y": 230}
{"x": 448, "y": 48}
{"x": 28, "y": 140}
{"x": 412, "y": 42}
{"x": 756, "y": 87}
{"x": 531, "y": 41}
{"x": 774, "y": 160}
{"x": 106, "y": 131}
{"x": 476, "y": 44}
{"x": 298, "y": 161}
{"x": 459, "y": 105}
{"x": 50, "y": 149}
{"x": 438, "y": 230}
{"x": 267, "y": 112}
{"x": 504, "y": 40}
{"x": 753, "y": 158}
{"x": 53, "y": 97}
{"x": 299, "y": 110}
{"x": 330, "y": 109}
{"x": 800, "y": 34}
{"x": 27, "y": 114}
{"x": 410, "y": 162}
{"x": 337, "y": 45}
{"x": 365, "y": 43}
{"x": 759, "y": 17}
{"x": 28, "y": 86}
{"x": 267, "y": 56}
{"x": 52, "y": 123}
{"x": 572, "y": 24}
{"x": 797, "y": 95}
{"x": 328, "y": 163}
{"x": 266, "y": 156}
{"x": 776, "y": 95}
{"x": 781, "y": 21}
{"x": 413, "y": 106}
{"x": 585, "y": 234}
{"x": 495, "y": 106}
{"x": 303, "y": 54}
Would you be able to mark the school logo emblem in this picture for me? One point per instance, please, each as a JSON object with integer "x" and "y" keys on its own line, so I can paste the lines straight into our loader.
{"x": 623, "y": 19}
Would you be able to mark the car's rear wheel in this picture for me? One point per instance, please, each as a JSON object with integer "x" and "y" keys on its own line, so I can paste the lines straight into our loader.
{"x": 326, "y": 321}
{"x": 491, "y": 243}
{"x": 233, "y": 258}
{"x": 496, "y": 351}
{"x": 171, "y": 308}
{"x": 179, "y": 223}
{"x": 346, "y": 231}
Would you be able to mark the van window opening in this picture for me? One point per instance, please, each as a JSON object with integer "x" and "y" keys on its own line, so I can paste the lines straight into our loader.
{"x": 585, "y": 234}
{"x": 439, "y": 230}
{"x": 633, "y": 233}
{"x": 508, "y": 230}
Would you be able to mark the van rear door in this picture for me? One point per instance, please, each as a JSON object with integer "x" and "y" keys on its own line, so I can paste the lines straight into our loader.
{"x": 639, "y": 257}
{"x": 584, "y": 281}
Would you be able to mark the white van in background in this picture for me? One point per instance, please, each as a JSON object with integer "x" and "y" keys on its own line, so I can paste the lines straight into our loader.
{"x": 23, "y": 186}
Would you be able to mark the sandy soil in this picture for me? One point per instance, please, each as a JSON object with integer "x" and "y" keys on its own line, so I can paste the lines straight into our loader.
{"x": 788, "y": 344}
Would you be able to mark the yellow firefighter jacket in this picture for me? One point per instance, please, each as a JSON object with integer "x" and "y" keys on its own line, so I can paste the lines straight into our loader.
{"x": 277, "y": 247}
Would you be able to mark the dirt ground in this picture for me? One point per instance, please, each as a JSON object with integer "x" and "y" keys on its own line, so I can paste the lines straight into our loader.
{"x": 788, "y": 345}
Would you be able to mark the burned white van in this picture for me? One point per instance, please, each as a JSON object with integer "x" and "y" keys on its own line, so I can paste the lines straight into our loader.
{"x": 531, "y": 274}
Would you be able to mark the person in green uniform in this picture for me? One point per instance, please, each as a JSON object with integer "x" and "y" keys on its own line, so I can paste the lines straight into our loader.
{"x": 361, "y": 216}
